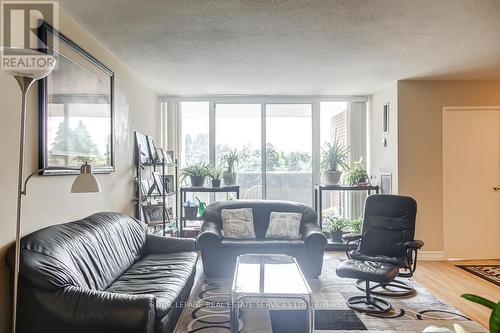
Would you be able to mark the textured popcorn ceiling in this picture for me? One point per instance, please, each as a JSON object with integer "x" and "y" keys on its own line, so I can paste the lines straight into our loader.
{"x": 191, "y": 47}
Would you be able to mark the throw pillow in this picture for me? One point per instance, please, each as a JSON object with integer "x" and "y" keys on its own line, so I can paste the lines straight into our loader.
{"x": 238, "y": 223}
{"x": 284, "y": 225}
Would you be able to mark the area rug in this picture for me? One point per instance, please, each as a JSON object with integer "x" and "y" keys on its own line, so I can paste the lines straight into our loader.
{"x": 207, "y": 310}
{"x": 488, "y": 272}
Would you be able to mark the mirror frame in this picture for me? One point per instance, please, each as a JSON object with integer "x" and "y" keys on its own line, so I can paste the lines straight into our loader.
{"x": 44, "y": 31}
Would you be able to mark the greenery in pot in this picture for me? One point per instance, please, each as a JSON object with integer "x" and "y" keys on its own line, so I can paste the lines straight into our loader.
{"x": 334, "y": 157}
{"x": 215, "y": 174}
{"x": 495, "y": 310}
{"x": 196, "y": 173}
{"x": 357, "y": 175}
{"x": 356, "y": 225}
{"x": 230, "y": 160}
{"x": 336, "y": 225}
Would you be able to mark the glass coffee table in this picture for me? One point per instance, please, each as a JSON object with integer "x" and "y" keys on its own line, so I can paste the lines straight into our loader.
{"x": 268, "y": 276}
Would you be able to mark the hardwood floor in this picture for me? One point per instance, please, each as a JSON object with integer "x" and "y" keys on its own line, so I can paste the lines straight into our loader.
{"x": 447, "y": 282}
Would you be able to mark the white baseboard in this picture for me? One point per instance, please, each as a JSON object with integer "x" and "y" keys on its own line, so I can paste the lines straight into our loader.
{"x": 431, "y": 255}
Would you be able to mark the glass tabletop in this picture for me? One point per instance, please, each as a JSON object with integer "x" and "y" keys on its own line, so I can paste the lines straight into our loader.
{"x": 269, "y": 275}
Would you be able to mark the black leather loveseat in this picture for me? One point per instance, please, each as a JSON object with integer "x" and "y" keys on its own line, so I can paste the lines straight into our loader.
{"x": 219, "y": 254}
{"x": 103, "y": 274}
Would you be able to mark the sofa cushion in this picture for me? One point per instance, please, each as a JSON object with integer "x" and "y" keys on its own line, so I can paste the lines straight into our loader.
{"x": 238, "y": 223}
{"x": 161, "y": 275}
{"x": 258, "y": 246}
{"x": 283, "y": 225}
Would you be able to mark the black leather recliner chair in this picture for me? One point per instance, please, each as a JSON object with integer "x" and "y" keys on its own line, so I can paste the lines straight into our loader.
{"x": 102, "y": 274}
{"x": 219, "y": 254}
{"x": 388, "y": 237}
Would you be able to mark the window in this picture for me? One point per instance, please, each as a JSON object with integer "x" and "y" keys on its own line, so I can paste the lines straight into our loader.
{"x": 279, "y": 141}
{"x": 238, "y": 126}
{"x": 333, "y": 124}
{"x": 194, "y": 132}
{"x": 289, "y": 152}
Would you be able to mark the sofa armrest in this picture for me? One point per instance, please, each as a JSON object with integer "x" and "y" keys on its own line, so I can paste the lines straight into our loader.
{"x": 414, "y": 244}
{"x": 209, "y": 232}
{"x": 311, "y": 233}
{"x": 158, "y": 245}
{"x": 102, "y": 311}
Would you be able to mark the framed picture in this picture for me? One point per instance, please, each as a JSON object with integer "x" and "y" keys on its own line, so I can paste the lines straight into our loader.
{"x": 153, "y": 214}
{"x": 152, "y": 149}
{"x": 76, "y": 109}
{"x": 168, "y": 182}
{"x": 160, "y": 154}
{"x": 386, "y": 183}
{"x": 158, "y": 183}
{"x": 141, "y": 148}
{"x": 145, "y": 187}
{"x": 385, "y": 118}
{"x": 169, "y": 157}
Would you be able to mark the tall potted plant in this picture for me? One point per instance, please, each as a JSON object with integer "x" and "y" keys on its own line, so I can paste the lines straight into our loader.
{"x": 196, "y": 173}
{"x": 230, "y": 160}
{"x": 334, "y": 158}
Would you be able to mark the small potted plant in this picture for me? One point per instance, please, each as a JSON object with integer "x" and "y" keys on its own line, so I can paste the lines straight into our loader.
{"x": 357, "y": 174}
{"x": 230, "y": 160}
{"x": 336, "y": 225}
{"x": 196, "y": 173}
{"x": 356, "y": 225}
{"x": 215, "y": 174}
{"x": 334, "y": 157}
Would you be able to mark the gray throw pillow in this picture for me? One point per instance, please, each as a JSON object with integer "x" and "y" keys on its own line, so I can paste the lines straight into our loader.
{"x": 284, "y": 225}
{"x": 238, "y": 223}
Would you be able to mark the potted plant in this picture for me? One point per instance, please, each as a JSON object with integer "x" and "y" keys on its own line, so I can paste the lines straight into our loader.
{"x": 215, "y": 174}
{"x": 196, "y": 173}
{"x": 336, "y": 225}
{"x": 230, "y": 160}
{"x": 357, "y": 174}
{"x": 356, "y": 225}
{"x": 334, "y": 157}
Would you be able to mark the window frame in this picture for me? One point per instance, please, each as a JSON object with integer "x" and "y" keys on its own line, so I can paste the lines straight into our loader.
{"x": 314, "y": 100}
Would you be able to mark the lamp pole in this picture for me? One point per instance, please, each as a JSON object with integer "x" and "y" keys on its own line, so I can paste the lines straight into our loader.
{"x": 25, "y": 84}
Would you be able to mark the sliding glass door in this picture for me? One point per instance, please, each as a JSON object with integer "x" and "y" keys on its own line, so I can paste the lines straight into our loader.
{"x": 289, "y": 152}
{"x": 238, "y": 127}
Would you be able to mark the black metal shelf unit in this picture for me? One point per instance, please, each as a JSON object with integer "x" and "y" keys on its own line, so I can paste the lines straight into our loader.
{"x": 167, "y": 223}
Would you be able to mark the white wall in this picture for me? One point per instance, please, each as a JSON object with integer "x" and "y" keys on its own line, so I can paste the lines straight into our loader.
{"x": 49, "y": 201}
{"x": 383, "y": 159}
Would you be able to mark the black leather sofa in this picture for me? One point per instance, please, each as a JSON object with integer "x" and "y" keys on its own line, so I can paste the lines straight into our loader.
{"x": 103, "y": 274}
{"x": 219, "y": 254}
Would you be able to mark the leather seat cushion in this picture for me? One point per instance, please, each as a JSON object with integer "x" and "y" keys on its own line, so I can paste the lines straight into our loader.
{"x": 367, "y": 270}
{"x": 161, "y": 275}
{"x": 358, "y": 255}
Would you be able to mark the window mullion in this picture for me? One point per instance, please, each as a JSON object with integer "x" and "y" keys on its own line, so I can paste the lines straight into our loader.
{"x": 263, "y": 153}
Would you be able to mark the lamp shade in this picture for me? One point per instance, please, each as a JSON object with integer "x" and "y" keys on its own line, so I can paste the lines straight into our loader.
{"x": 27, "y": 63}
{"x": 86, "y": 182}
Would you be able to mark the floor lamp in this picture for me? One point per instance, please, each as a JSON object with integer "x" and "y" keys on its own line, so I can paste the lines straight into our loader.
{"x": 84, "y": 182}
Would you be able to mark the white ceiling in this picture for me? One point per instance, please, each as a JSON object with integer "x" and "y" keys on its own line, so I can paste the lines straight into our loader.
{"x": 351, "y": 47}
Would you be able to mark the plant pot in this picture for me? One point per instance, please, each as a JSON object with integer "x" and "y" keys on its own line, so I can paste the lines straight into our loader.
{"x": 215, "y": 182}
{"x": 331, "y": 177}
{"x": 229, "y": 178}
{"x": 197, "y": 181}
{"x": 190, "y": 212}
{"x": 336, "y": 236}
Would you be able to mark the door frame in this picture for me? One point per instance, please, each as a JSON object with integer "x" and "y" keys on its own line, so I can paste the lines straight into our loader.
{"x": 444, "y": 110}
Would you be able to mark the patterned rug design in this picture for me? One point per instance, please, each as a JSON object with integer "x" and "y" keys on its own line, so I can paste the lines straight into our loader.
{"x": 488, "y": 272}
{"x": 207, "y": 311}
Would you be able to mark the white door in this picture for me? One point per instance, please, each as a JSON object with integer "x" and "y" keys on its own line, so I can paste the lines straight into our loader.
{"x": 471, "y": 183}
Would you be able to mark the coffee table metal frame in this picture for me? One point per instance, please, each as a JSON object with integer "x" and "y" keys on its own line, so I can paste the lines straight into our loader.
{"x": 236, "y": 298}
